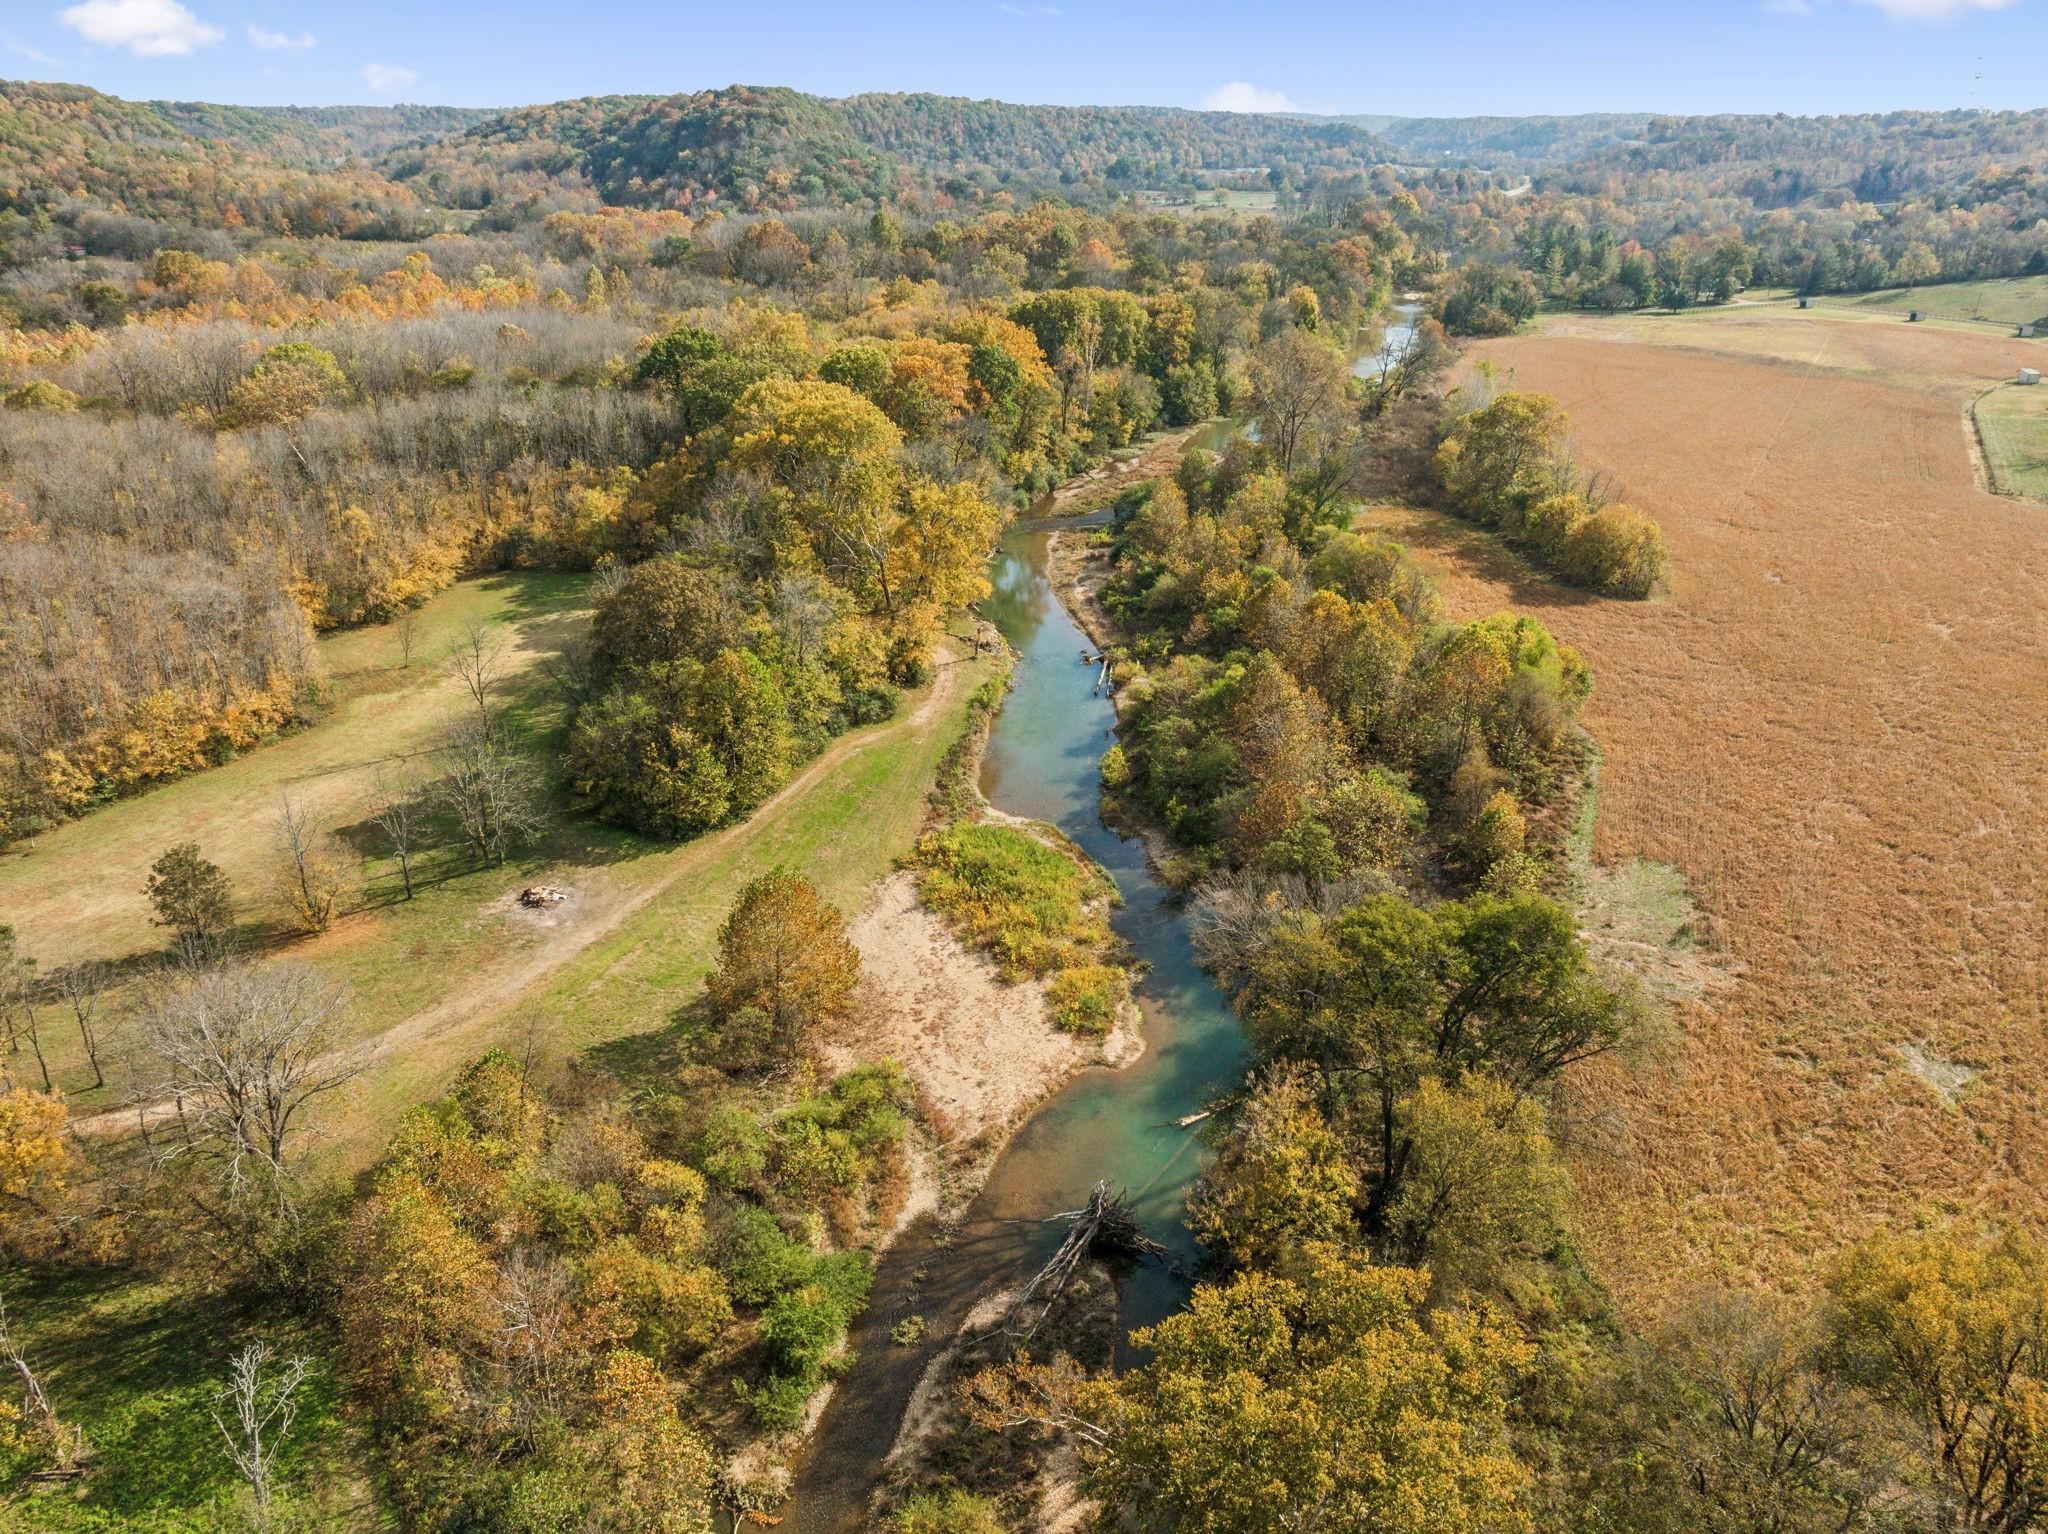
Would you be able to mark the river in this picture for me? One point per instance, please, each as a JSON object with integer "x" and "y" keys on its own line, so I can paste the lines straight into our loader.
{"x": 1395, "y": 339}
{"x": 1115, "y": 1124}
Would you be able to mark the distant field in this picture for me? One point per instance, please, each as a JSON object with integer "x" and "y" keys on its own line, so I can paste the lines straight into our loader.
{"x": 1235, "y": 201}
{"x": 2013, "y": 422}
{"x": 1831, "y": 728}
{"x": 2007, "y": 300}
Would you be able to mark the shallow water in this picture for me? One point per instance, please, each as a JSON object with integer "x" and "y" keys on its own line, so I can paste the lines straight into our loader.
{"x": 1395, "y": 340}
{"x": 1120, "y": 1125}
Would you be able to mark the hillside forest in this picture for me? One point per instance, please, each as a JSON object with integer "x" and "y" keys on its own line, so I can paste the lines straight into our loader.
{"x": 763, "y": 378}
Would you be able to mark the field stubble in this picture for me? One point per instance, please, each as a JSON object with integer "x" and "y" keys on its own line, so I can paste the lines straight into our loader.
{"x": 1832, "y": 728}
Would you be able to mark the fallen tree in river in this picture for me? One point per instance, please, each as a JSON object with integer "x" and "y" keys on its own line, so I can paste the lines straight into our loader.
{"x": 1104, "y": 1226}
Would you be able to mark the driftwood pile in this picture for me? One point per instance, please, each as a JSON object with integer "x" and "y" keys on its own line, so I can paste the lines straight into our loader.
{"x": 1104, "y": 1226}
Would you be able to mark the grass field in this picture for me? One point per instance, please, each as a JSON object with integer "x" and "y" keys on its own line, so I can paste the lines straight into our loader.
{"x": 2012, "y": 422}
{"x": 2006, "y": 300}
{"x": 438, "y": 979}
{"x": 1831, "y": 729}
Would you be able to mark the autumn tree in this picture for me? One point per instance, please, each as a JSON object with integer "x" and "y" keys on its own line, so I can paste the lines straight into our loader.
{"x": 310, "y": 877}
{"x": 1953, "y": 1335}
{"x": 38, "y": 1168}
{"x": 1274, "y": 1404}
{"x": 784, "y": 964}
{"x": 1480, "y": 1186}
{"x": 191, "y": 896}
{"x": 1297, "y": 395}
{"x": 1281, "y": 1181}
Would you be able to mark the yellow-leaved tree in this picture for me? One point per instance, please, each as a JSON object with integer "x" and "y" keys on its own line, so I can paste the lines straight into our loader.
{"x": 1272, "y": 1405}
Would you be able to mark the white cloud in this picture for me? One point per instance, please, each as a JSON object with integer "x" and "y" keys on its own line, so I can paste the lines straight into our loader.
{"x": 388, "y": 79}
{"x": 280, "y": 42}
{"x": 23, "y": 50}
{"x": 1935, "y": 10}
{"x": 1788, "y": 7}
{"x": 1028, "y": 10}
{"x": 149, "y": 29}
{"x": 1242, "y": 96}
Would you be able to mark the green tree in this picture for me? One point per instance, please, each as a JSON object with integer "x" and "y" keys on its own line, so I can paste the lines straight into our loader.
{"x": 1389, "y": 994}
{"x": 191, "y": 896}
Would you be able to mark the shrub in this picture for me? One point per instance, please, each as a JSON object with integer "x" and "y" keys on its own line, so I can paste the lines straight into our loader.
{"x": 1085, "y": 998}
{"x": 1616, "y": 550}
{"x": 1008, "y": 892}
{"x": 947, "y": 1512}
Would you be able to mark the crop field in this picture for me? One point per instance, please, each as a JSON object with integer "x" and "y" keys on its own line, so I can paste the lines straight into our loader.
{"x": 1831, "y": 727}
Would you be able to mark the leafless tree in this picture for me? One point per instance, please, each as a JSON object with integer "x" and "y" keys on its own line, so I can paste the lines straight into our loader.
{"x": 478, "y": 660}
{"x": 255, "y": 1415}
{"x": 18, "y": 1014}
{"x": 65, "y": 1445}
{"x": 398, "y": 809}
{"x": 493, "y": 791}
{"x": 80, "y": 986}
{"x": 240, "y": 1054}
{"x": 408, "y": 637}
{"x": 311, "y": 878}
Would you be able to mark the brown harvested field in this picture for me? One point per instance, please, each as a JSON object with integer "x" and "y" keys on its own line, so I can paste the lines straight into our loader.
{"x": 1834, "y": 728}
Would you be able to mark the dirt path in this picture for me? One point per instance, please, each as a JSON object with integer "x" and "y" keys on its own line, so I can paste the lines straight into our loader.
{"x": 498, "y": 989}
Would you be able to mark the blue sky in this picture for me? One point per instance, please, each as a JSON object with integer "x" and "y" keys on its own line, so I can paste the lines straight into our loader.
{"x": 1451, "y": 57}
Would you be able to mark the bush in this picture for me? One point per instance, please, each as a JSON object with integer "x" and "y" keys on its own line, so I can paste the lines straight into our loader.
{"x": 1617, "y": 550}
{"x": 1008, "y": 892}
{"x": 1085, "y": 998}
{"x": 947, "y": 1512}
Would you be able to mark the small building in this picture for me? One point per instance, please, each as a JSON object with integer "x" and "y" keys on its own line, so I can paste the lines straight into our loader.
{"x": 2030, "y": 375}
{"x": 2026, "y": 332}
{"x": 1912, "y": 316}
{"x": 1805, "y": 303}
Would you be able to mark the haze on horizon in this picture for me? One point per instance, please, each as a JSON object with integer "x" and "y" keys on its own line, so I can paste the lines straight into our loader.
{"x": 1464, "y": 57}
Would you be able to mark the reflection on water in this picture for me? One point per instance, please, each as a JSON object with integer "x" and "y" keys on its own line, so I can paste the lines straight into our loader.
{"x": 1395, "y": 339}
{"x": 1042, "y": 763}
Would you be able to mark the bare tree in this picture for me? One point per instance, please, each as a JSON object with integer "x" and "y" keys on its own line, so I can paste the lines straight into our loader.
{"x": 255, "y": 1415}
{"x": 240, "y": 1054}
{"x": 493, "y": 791}
{"x": 18, "y": 1013}
{"x": 398, "y": 809}
{"x": 408, "y": 636}
{"x": 311, "y": 878}
{"x": 80, "y": 986}
{"x": 477, "y": 659}
{"x": 65, "y": 1446}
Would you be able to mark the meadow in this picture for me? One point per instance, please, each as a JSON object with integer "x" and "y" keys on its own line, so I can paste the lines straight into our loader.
{"x": 439, "y": 978}
{"x": 1829, "y": 728}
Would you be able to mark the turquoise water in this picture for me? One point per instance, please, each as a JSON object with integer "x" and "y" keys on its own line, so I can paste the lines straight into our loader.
{"x": 1120, "y": 1125}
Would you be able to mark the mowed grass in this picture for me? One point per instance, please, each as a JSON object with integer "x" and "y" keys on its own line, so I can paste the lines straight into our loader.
{"x": 2005, "y": 300}
{"x": 77, "y": 892}
{"x": 2013, "y": 424}
{"x": 460, "y": 966}
{"x": 1830, "y": 730}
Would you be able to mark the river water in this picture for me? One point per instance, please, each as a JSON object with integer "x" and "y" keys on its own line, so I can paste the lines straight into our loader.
{"x": 1395, "y": 339}
{"x": 1120, "y": 1125}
